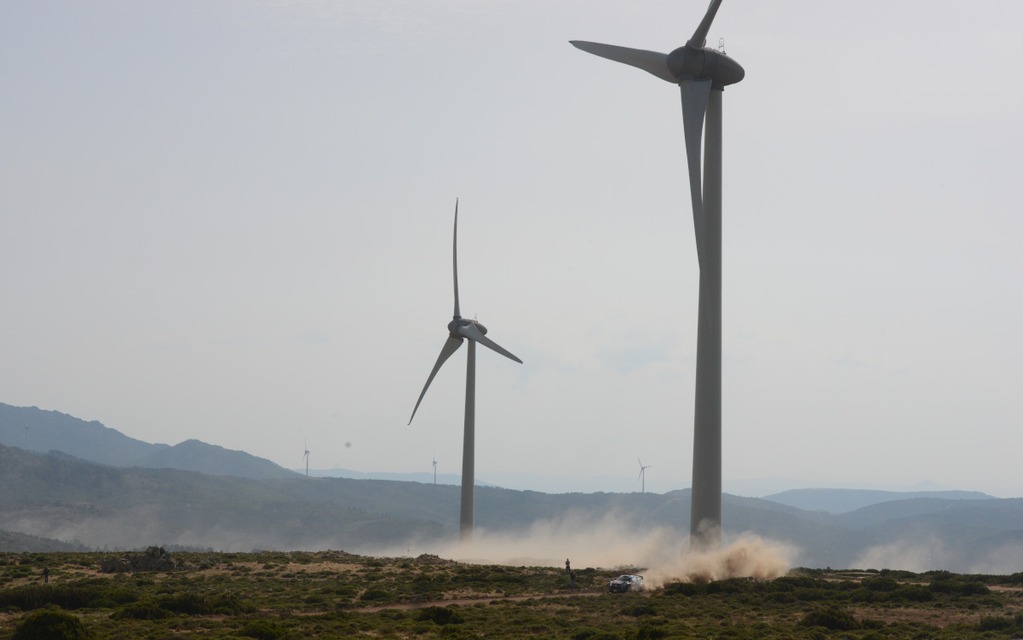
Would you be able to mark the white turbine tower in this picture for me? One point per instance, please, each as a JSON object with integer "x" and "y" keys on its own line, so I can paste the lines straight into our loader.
{"x": 460, "y": 329}
{"x": 702, "y": 75}
{"x": 305, "y": 457}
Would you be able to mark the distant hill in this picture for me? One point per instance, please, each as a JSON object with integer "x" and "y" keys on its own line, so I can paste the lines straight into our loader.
{"x": 65, "y": 482}
{"x": 845, "y": 500}
{"x": 195, "y": 455}
{"x": 11, "y": 542}
{"x": 413, "y": 476}
{"x": 101, "y": 506}
{"x": 34, "y": 429}
{"x": 58, "y": 498}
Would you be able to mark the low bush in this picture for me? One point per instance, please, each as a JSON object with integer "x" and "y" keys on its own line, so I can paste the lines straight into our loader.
{"x": 263, "y": 630}
{"x": 65, "y": 596}
{"x": 142, "y": 610}
{"x": 50, "y": 624}
{"x": 440, "y": 615}
{"x": 831, "y": 618}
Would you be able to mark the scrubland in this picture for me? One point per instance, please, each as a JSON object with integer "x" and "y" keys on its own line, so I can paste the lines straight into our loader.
{"x": 332, "y": 594}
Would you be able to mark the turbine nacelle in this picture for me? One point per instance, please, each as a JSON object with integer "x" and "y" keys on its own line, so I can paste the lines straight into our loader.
{"x": 692, "y": 63}
{"x": 455, "y": 327}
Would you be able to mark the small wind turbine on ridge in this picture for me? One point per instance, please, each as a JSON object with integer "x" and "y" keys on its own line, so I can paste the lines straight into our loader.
{"x": 459, "y": 330}
{"x": 642, "y": 474}
{"x": 435, "y": 470}
{"x": 306, "y": 457}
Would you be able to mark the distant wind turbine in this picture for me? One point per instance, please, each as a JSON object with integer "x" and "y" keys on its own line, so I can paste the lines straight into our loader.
{"x": 642, "y": 473}
{"x": 702, "y": 75}
{"x": 306, "y": 456}
{"x": 460, "y": 329}
{"x": 435, "y": 470}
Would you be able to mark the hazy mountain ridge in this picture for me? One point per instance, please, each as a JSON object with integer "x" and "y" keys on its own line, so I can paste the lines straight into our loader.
{"x": 77, "y": 502}
{"x": 199, "y": 495}
{"x": 846, "y": 500}
{"x": 35, "y": 429}
{"x": 101, "y": 506}
{"x": 42, "y": 431}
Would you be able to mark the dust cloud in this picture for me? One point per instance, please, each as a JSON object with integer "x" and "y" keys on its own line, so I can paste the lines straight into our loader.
{"x": 660, "y": 554}
{"x": 923, "y": 553}
{"x": 917, "y": 555}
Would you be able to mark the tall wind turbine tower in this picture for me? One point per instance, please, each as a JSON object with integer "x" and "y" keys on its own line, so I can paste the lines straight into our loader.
{"x": 702, "y": 74}
{"x": 306, "y": 456}
{"x": 460, "y": 329}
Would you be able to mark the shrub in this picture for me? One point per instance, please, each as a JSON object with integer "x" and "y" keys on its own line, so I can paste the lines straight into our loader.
{"x": 997, "y": 623}
{"x": 51, "y": 624}
{"x": 831, "y": 618}
{"x": 915, "y": 593}
{"x": 65, "y": 596}
{"x": 682, "y": 589}
{"x": 881, "y": 584}
{"x": 440, "y": 615}
{"x": 263, "y": 630}
{"x": 142, "y": 610}
{"x": 639, "y": 610}
{"x": 959, "y": 587}
{"x": 375, "y": 593}
{"x": 188, "y": 603}
{"x": 651, "y": 633}
{"x": 594, "y": 634}
{"x": 230, "y": 604}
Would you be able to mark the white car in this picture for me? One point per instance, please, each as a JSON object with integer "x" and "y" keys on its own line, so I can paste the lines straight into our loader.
{"x": 625, "y": 583}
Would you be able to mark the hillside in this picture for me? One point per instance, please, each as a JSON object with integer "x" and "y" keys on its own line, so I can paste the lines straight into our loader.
{"x": 846, "y": 500}
{"x": 74, "y": 501}
{"x": 34, "y": 429}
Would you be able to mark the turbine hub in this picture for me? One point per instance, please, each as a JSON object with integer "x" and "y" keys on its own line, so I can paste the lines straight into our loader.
{"x": 454, "y": 325}
{"x": 690, "y": 63}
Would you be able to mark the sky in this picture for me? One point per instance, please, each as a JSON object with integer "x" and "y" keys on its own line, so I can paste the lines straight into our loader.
{"x": 231, "y": 220}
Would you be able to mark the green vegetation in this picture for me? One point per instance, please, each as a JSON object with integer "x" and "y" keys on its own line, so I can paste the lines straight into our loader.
{"x": 50, "y": 624}
{"x": 330, "y": 594}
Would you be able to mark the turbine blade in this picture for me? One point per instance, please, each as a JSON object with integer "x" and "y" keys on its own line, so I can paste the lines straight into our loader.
{"x": 454, "y": 259}
{"x": 649, "y": 61}
{"x": 450, "y": 346}
{"x": 699, "y": 38}
{"x": 473, "y": 333}
{"x": 695, "y": 96}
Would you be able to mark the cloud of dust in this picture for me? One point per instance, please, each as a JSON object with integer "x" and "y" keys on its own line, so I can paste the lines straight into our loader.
{"x": 917, "y": 555}
{"x": 1004, "y": 559}
{"x": 929, "y": 552}
{"x": 661, "y": 554}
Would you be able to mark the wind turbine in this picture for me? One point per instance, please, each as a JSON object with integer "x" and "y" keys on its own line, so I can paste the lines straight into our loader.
{"x": 702, "y": 74}
{"x": 642, "y": 473}
{"x": 306, "y": 457}
{"x": 460, "y": 329}
{"x": 434, "y": 468}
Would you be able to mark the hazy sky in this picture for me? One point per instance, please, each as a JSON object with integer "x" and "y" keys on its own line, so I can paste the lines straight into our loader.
{"x": 231, "y": 220}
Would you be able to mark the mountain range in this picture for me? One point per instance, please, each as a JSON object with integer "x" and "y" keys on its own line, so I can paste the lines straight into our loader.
{"x": 67, "y": 483}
